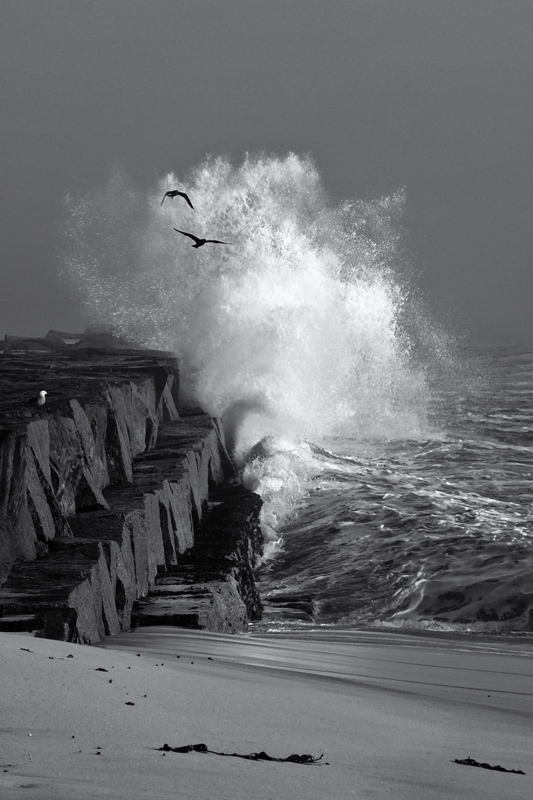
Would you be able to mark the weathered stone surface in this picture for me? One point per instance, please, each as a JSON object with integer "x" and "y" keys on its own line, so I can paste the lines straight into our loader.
{"x": 62, "y": 591}
{"x": 103, "y": 409}
{"x": 213, "y": 585}
{"x": 115, "y": 554}
{"x": 106, "y": 492}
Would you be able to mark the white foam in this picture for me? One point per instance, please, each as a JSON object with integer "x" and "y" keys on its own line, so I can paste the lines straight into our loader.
{"x": 297, "y": 330}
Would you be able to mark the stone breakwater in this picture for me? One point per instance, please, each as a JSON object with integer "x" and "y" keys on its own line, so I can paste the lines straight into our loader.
{"x": 118, "y": 505}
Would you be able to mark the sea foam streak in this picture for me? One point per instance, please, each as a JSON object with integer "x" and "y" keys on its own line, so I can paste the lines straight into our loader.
{"x": 302, "y": 327}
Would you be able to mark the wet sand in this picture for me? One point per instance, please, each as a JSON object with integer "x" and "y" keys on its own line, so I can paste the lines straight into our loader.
{"x": 390, "y": 713}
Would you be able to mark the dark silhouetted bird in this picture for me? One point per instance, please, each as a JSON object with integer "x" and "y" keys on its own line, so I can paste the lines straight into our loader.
{"x": 40, "y": 400}
{"x": 176, "y": 193}
{"x": 200, "y": 242}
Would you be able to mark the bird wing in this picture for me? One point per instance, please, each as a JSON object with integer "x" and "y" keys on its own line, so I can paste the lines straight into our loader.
{"x": 216, "y": 241}
{"x": 186, "y": 197}
{"x": 165, "y": 195}
{"x": 190, "y": 235}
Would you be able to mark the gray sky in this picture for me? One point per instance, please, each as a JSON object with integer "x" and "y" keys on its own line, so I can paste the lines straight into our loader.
{"x": 432, "y": 95}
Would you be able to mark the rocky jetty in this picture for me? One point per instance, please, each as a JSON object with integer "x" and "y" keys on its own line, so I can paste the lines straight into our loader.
{"x": 118, "y": 505}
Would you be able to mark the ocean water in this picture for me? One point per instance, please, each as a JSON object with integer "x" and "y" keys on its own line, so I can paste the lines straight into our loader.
{"x": 432, "y": 533}
{"x": 394, "y": 460}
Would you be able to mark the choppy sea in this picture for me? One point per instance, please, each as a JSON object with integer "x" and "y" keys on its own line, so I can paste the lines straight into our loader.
{"x": 433, "y": 533}
{"x": 394, "y": 458}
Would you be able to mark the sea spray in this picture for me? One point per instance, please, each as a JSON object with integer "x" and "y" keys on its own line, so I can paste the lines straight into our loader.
{"x": 304, "y": 326}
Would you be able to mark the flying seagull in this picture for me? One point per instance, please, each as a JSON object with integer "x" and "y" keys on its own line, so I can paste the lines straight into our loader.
{"x": 200, "y": 242}
{"x": 40, "y": 400}
{"x": 175, "y": 193}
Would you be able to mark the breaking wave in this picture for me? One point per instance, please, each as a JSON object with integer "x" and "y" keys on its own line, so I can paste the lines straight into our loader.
{"x": 306, "y": 325}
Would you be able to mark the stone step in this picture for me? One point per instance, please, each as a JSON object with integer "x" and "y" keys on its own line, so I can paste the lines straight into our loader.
{"x": 212, "y": 587}
{"x": 73, "y": 596}
{"x": 213, "y": 606}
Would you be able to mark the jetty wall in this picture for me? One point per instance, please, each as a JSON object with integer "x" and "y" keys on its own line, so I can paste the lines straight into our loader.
{"x": 118, "y": 505}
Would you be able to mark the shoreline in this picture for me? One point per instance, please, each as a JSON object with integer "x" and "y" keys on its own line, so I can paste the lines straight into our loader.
{"x": 415, "y": 664}
{"x": 322, "y": 634}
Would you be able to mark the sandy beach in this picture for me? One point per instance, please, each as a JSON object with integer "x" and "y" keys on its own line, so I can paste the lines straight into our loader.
{"x": 389, "y": 713}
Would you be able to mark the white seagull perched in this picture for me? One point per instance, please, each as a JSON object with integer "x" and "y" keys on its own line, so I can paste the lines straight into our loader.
{"x": 40, "y": 400}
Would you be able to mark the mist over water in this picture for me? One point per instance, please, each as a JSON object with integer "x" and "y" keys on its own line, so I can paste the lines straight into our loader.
{"x": 305, "y": 326}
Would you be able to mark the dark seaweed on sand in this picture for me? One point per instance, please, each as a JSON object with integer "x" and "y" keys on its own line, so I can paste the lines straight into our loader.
{"x": 262, "y": 756}
{"x": 471, "y": 762}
